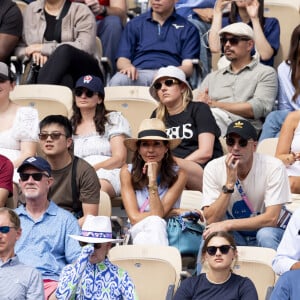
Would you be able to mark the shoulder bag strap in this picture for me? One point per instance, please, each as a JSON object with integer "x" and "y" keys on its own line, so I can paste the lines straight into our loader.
{"x": 75, "y": 195}
{"x": 57, "y": 29}
{"x": 244, "y": 196}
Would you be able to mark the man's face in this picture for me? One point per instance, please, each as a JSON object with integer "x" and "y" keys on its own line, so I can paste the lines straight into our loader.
{"x": 53, "y": 140}
{"x": 8, "y": 240}
{"x": 34, "y": 183}
{"x": 162, "y": 6}
{"x": 236, "y": 47}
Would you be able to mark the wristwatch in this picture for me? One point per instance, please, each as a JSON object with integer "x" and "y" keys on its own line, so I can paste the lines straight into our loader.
{"x": 226, "y": 190}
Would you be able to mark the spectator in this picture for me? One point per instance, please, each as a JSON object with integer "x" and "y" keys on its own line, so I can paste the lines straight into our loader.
{"x": 60, "y": 37}
{"x": 251, "y": 12}
{"x": 246, "y": 88}
{"x": 76, "y": 186}
{"x": 93, "y": 276}
{"x": 157, "y": 38}
{"x": 288, "y": 149}
{"x": 151, "y": 186}
{"x": 111, "y": 16}
{"x": 99, "y": 133}
{"x": 192, "y": 122}
{"x": 200, "y": 14}
{"x": 6, "y": 176}
{"x": 219, "y": 251}
{"x": 45, "y": 243}
{"x": 11, "y": 24}
{"x": 288, "y": 89}
{"x": 244, "y": 191}
{"x": 21, "y": 282}
{"x": 18, "y": 127}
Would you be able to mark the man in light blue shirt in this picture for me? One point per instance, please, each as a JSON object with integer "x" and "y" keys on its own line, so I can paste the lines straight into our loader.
{"x": 18, "y": 281}
{"x": 45, "y": 242}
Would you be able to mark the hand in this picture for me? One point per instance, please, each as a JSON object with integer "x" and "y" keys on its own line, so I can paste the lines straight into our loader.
{"x": 130, "y": 71}
{"x": 220, "y": 5}
{"x": 252, "y": 8}
{"x": 205, "y": 14}
{"x": 204, "y": 97}
{"x": 151, "y": 168}
{"x": 88, "y": 249}
{"x": 39, "y": 59}
{"x": 213, "y": 227}
{"x": 94, "y": 5}
{"x": 33, "y": 48}
{"x": 231, "y": 169}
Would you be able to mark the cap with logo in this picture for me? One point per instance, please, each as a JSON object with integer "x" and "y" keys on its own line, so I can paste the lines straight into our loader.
{"x": 243, "y": 128}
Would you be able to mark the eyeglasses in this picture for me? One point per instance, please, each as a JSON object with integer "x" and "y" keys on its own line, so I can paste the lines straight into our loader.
{"x": 88, "y": 93}
{"x": 224, "y": 249}
{"x": 167, "y": 82}
{"x": 96, "y": 246}
{"x": 35, "y": 176}
{"x": 233, "y": 40}
{"x": 242, "y": 142}
{"x": 6, "y": 229}
{"x": 53, "y": 135}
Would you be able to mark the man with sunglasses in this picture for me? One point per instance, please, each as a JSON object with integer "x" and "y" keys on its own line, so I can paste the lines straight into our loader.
{"x": 45, "y": 243}
{"x": 244, "y": 191}
{"x": 76, "y": 185}
{"x": 245, "y": 88}
{"x": 19, "y": 281}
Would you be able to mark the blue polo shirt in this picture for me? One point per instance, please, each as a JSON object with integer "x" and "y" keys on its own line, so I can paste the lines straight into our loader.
{"x": 271, "y": 31}
{"x": 148, "y": 45}
{"x": 45, "y": 243}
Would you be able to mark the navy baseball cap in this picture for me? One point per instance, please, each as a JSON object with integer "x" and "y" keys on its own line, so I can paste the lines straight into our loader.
{"x": 92, "y": 83}
{"x": 243, "y": 128}
{"x": 37, "y": 162}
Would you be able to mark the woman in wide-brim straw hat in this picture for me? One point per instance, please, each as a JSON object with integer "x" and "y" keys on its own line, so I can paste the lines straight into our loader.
{"x": 151, "y": 186}
{"x": 193, "y": 122}
{"x": 93, "y": 269}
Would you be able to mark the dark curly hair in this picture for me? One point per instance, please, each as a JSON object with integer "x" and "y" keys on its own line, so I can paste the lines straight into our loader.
{"x": 167, "y": 172}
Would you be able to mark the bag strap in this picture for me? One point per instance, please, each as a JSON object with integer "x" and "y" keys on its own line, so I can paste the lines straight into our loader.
{"x": 57, "y": 29}
{"x": 244, "y": 196}
{"x": 77, "y": 206}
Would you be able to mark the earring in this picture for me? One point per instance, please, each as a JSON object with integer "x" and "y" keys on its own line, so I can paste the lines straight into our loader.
{"x": 167, "y": 155}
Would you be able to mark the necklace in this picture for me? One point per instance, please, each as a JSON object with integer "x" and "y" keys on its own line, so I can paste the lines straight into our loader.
{"x": 211, "y": 281}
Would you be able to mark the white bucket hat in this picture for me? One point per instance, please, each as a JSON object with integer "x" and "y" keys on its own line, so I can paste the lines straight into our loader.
{"x": 95, "y": 230}
{"x": 171, "y": 72}
{"x": 151, "y": 129}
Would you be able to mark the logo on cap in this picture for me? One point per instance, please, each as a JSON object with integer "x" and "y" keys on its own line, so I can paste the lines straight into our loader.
{"x": 238, "y": 124}
{"x": 31, "y": 159}
{"x": 87, "y": 79}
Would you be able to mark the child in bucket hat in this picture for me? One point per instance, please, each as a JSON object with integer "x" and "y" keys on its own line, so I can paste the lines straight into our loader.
{"x": 93, "y": 269}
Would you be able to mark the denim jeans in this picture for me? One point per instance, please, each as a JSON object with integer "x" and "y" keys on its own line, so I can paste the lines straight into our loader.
{"x": 272, "y": 124}
{"x": 268, "y": 237}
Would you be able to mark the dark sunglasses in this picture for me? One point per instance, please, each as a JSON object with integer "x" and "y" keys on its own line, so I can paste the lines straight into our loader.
{"x": 6, "y": 229}
{"x": 96, "y": 246}
{"x": 233, "y": 40}
{"x": 35, "y": 176}
{"x": 231, "y": 142}
{"x": 167, "y": 82}
{"x": 53, "y": 135}
{"x": 88, "y": 93}
{"x": 224, "y": 249}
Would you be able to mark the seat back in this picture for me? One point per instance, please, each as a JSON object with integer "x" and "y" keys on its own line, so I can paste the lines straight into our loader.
{"x": 153, "y": 269}
{"x": 256, "y": 264}
{"x": 267, "y": 146}
{"x": 191, "y": 199}
{"x": 48, "y": 99}
{"x": 288, "y": 17}
{"x": 134, "y": 102}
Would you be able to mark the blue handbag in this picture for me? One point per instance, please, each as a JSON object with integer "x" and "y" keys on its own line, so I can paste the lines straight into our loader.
{"x": 185, "y": 233}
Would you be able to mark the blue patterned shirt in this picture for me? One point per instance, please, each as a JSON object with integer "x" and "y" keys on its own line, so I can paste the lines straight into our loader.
{"x": 102, "y": 281}
{"x": 45, "y": 243}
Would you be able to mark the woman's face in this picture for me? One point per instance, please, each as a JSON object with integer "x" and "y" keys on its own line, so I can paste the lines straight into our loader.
{"x": 169, "y": 91}
{"x": 152, "y": 150}
{"x": 86, "y": 99}
{"x": 218, "y": 260}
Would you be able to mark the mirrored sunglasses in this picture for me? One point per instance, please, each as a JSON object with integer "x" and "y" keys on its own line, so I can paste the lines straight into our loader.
{"x": 6, "y": 229}
{"x": 167, "y": 82}
{"x": 53, "y": 136}
{"x": 224, "y": 249}
{"x": 87, "y": 92}
{"x": 35, "y": 176}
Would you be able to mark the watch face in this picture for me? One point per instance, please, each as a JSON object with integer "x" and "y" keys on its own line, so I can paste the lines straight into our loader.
{"x": 227, "y": 190}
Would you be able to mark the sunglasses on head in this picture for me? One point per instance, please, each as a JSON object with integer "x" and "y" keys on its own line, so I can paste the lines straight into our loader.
{"x": 233, "y": 40}
{"x": 230, "y": 141}
{"x": 224, "y": 249}
{"x": 35, "y": 176}
{"x": 88, "y": 93}
{"x": 167, "y": 82}
{"x": 96, "y": 246}
{"x": 53, "y": 136}
{"x": 6, "y": 229}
